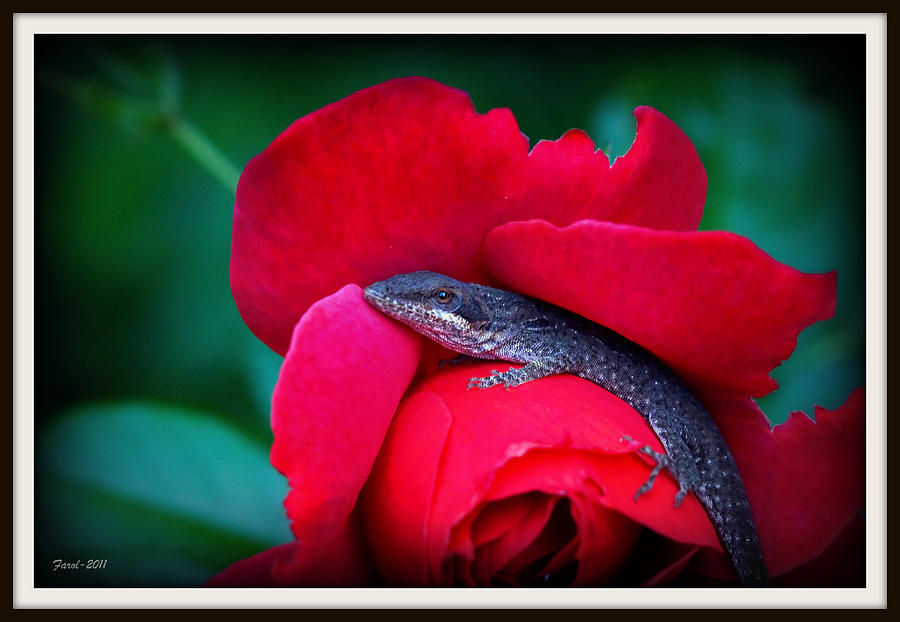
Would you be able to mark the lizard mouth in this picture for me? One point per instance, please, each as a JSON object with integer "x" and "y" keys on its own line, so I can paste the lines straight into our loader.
{"x": 378, "y": 297}
{"x": 389, "y": 305}
{"x": 373, "y": 296}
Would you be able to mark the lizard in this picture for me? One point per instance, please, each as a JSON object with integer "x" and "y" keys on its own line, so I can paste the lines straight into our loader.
{"x": 483, "y": 322}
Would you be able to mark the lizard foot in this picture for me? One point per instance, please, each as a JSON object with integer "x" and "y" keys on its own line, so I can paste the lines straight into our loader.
{"x": 514, "y": 376}
{"x": 486, "y": 382}
{"x": 663, "y": 461}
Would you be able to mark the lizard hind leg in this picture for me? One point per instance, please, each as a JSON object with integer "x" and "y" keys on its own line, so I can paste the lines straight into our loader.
{"x": 663, "y": 461}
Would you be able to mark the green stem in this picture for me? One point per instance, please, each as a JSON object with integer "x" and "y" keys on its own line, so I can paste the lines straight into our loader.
{"x": 205, "y": 152}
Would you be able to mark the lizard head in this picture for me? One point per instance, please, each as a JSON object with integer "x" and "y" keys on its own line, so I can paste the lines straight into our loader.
{"x": 455, "y": 314}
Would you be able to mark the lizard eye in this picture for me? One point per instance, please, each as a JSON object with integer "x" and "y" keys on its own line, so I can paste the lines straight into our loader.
{"x": 447, "y": 299}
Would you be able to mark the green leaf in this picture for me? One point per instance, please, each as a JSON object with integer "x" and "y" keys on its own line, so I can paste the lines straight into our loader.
{"x": 169, "y": 497}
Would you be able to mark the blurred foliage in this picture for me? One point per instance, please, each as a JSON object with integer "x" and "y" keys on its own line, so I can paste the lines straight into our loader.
{"x": 148, "y": 487}
{"x": 138, "y": 144}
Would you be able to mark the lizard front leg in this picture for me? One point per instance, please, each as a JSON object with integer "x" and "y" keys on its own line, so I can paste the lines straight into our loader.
{"x": 514, "y": 376}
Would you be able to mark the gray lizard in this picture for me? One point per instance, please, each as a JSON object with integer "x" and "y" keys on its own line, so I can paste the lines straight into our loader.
{"x": 489, "y": 323}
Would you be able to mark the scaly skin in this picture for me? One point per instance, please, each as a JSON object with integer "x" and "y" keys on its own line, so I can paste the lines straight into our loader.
{"x": 490, "y": 323}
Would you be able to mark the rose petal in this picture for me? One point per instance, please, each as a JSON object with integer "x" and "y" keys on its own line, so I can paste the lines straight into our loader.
{"x": 255, "y": 571}
{"x": 613, "y": 480}
{"x": 659, "y": 183}
{"x": 559, "y": 569}
{"x": 406, "y": 176}
{"x": 503, "y": 515}
{"x": 339, "y": 386}
{"x": 673, "y": 568}
{"x": 397, "y": 498}
{"x": 341, "y": 561}
{"x": 339, "y": 558}
{"x": 496, "y": 553}
{"x": 605, "y": 539}
{"x": 554, "y": 546}
{"x": 449, "y": 448}
{"x": 805, "y": 479}
{"x": 842, "y": 564}
{"x": 397, "y": 177}
{"x": 712, "y": 305}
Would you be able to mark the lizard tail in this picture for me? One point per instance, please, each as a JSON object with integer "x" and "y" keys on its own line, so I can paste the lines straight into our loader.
{"x": 727, "y": 505}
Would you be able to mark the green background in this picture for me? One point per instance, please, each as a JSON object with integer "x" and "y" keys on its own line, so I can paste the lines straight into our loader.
{"x": 152, "y": 396}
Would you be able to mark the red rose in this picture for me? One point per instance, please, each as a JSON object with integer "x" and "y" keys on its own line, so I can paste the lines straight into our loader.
{"x": 401, "y": 476}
